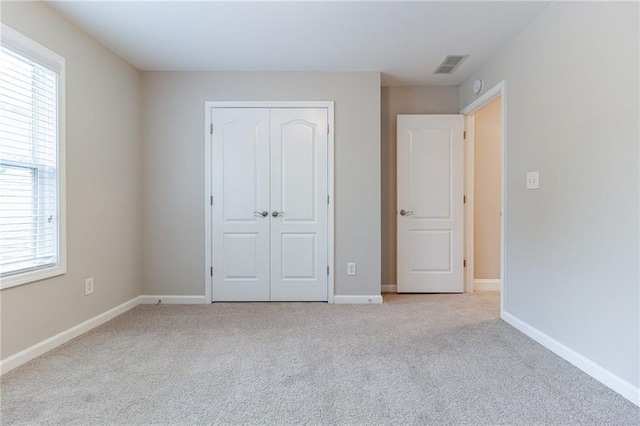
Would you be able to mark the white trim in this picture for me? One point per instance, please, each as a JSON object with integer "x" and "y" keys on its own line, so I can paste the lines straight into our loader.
{"x": 357, "y": 300}
{"x": 389, "y": 288}
{"x": 469, "y": 172}
{"x": 208, "y": 208}
{"x": 486, "y": 285}
{"x": 601, "y": 374}
{"x": 499, "y": 89}
{"x": 487, "y": 97}
{"x": 332, "y": 198}
{"x": 53, "y": 342}
{"x": 208, "y": 251}
{"x": 172, "y": 300}
{"x": 33, "y": 50}
{"x": 269, "y": 104}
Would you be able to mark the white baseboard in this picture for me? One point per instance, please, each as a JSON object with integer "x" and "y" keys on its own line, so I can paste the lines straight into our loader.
{"x": 364, "y": 300}
{"x": 389, "y": 288}
{"x": 601, "y": 374}
{"x": 171, "y": 300}
{"x": 26, "y": 355}
{"x": 486, "y": 285}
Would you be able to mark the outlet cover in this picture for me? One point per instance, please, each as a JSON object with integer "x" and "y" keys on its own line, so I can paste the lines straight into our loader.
{"x": 88, "y": 286}
{"x": 351, "y": 268}
{"x": 533, "y": 180}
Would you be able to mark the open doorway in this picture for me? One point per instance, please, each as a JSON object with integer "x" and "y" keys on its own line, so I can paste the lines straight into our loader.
{"x": 484, "y": 189}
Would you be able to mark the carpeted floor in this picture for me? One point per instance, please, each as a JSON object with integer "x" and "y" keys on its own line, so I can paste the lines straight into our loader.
{"x": 416, "y": 359}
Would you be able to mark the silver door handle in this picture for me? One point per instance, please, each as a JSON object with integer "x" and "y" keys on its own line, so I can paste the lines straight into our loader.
{"x": 405, "y": 213}
{"x": 263, "y": 213}
{"x": 276, "y": 213}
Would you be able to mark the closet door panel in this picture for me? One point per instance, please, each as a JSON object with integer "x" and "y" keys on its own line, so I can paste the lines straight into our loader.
{"x": 241, "y": 193}
{"x": 299, "y": 204}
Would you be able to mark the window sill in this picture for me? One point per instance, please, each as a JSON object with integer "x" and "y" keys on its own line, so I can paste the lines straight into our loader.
{"x": 32, "y": 276}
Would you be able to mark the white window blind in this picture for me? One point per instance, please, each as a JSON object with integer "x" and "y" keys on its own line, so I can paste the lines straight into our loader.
{"x": 29, "y": 164}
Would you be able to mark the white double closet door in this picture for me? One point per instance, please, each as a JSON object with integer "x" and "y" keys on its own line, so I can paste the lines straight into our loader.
{"x": 270, "y": 212}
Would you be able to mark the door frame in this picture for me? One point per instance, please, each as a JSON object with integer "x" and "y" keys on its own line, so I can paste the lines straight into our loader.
{"x": 499, "y": 90}
{"x": 208, "y": 177}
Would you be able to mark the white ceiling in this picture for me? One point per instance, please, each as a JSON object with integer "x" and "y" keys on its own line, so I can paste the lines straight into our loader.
{"x": 404, "y": 40}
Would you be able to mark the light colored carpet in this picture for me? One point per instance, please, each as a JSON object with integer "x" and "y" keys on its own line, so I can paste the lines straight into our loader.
{"x": 417, "y": 359}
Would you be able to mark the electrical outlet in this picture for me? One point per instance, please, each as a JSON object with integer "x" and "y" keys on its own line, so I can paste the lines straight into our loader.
{"x": 351, "y": 268}
{"x": 533, "y": 180}
{"x": 88, "y": 286}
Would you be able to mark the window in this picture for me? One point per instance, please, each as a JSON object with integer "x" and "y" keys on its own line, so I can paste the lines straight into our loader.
{"x": 32, "y": 219}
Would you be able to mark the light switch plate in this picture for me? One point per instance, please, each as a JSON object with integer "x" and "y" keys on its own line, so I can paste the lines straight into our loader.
{"x": 533, "y": 180}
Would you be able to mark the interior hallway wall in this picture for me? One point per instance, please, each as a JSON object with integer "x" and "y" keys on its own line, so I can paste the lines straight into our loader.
{"x": 394, "y": 101}
{"x": 103, "y": 158}
{"x": 487, "y": 191}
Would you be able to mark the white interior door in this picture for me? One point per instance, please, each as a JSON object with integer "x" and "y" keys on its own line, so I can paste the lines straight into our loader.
{"x": 270, "y": 210}
{"x": 299, "y": 204}
{"x": 241, "y": 198}
{"x": 430, "y": 204}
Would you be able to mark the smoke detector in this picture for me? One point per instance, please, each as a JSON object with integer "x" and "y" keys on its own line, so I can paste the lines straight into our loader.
{"x": 449, "y": 64}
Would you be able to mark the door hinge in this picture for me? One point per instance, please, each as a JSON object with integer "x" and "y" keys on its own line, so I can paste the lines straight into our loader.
{"x": 211, "y": 128}
{"x": 464, "y": 199}
{"x": 212, "y": 200}
{"x": 211, "y": 272}
{"x": 327, "y": 269}
{"x": 464, "y": 135}
{"x": 328, "y": 202}
{"x": 464, "y": 263}
{"x": 327, "y": 128}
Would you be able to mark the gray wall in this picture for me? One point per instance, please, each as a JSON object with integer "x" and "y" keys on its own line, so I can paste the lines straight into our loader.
{"x": 487, "y": 183}
{"x": 174, "y": 177}
{"x": 403, "y": 100}
{"x": 572, "y": 113}
{"x": 103, "y": 185}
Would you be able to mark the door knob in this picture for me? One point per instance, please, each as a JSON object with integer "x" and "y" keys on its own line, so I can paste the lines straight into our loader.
{"x": 263, "y": 213}
{"x": 405, "y": 213}
{"x": 276, "y": 213}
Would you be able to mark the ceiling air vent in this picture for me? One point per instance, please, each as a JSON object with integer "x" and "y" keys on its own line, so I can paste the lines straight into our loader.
{"x": 449, "y": 64}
